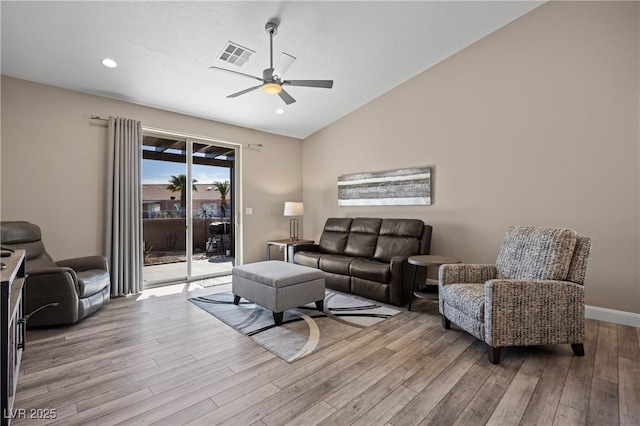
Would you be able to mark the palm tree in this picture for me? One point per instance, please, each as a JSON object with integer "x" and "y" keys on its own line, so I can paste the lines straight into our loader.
{"x": 223, "y": 189}
{"x": 179, "y": 184}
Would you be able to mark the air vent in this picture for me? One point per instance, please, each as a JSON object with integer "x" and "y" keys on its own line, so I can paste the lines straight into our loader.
{"x": 235, "y": 54}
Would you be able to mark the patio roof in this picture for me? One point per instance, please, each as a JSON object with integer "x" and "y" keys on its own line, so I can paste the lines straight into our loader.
{"x": 159, "y": 192}
{"x": 175, "y": 149}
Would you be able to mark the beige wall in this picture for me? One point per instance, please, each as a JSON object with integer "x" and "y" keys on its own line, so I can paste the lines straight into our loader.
{"x": 53, "y": 166}
{"x": 536, "y": 124}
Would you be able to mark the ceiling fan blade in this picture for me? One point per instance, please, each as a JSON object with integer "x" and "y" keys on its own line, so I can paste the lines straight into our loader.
{"x": 286, "y": 97}
{"x": 283, "y": 64}
{"x": 242, "y": 92}
{"x": 326, "y": 84}
{"x": 236, "y": 72}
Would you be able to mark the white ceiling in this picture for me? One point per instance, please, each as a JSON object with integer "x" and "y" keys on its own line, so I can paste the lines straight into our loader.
{"x": 164, "y": 50}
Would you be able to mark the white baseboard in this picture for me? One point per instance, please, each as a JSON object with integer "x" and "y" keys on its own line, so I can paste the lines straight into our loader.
{"x": 610, "y": 315}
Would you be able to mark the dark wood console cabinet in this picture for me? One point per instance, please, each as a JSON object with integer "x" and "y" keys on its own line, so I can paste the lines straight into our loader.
{"x": 13, "y": 329}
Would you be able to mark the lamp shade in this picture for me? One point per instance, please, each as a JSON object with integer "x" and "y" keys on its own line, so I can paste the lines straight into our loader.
{"x": 292, "y": 208}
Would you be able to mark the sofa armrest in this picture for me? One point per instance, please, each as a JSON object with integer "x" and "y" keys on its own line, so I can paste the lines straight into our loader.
{"x": 397, "y": 265}
{"x": 294, "y": 248}
{"x": 85, "y": 263}
{"x": 469, "y": 273}
{"x": 402, "y": 276}
{"x": 533, "y": 312}
{"x": 304, "y": 247}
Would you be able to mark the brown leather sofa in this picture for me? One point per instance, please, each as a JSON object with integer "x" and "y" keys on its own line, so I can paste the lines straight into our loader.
{"x": 368, "y": 256}
{"x": 78, "y": 286}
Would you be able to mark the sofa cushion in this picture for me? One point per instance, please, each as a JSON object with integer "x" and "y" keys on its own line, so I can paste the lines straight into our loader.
{"x": 370, "y": 270}
{"x": 366, "y": 225}
{"x": 336, "y": 264}
{"x": 363, "y": 237}
{"x": 308, "y": 258}
{"x": 398, "y": 237}
{"x": 361, "y": 245}
{"x": 335, "y": 234}
{"x": 402, "y": 227}
{"x": 533, "y": 253}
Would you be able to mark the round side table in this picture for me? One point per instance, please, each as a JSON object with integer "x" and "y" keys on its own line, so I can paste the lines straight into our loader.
{"x": 425, "y": 261}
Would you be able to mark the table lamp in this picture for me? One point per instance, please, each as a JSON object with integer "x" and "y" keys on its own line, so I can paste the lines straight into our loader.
{"x": 292, "y": 208}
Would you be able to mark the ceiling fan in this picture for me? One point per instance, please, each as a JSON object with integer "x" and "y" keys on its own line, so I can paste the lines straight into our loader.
{"x": 272, "y": 81}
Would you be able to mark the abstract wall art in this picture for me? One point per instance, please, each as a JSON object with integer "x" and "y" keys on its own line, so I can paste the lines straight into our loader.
{"x": 401, "y": 187}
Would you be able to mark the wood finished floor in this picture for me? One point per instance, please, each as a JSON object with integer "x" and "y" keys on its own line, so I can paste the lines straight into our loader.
{"x": 158, "y": 359}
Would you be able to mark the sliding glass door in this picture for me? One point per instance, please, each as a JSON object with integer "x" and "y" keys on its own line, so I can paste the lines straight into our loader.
{"x": 164, "y": 219}
{"x": 189, "y": 194}
{"x": 212, "y": 232}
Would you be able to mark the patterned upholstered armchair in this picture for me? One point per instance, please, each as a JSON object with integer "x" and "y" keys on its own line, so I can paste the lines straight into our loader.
{"x": 533, "y": 295}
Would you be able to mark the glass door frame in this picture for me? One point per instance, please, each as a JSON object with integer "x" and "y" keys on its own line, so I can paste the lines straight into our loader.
{"x": 236, "y": 197}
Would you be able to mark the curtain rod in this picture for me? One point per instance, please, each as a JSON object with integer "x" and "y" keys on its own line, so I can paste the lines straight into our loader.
{"x": 255, "y": 146}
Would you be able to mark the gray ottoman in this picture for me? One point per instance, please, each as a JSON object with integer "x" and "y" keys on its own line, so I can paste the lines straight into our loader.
{"x": 278, "y": 286}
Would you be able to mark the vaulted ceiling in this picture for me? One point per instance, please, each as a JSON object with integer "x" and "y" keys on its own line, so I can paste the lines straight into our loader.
{"x": 164, "y": 51}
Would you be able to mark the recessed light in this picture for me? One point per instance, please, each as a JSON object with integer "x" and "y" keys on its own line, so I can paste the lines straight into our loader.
{"x": 279, "y": 111}
{"x": 109, "y": 63}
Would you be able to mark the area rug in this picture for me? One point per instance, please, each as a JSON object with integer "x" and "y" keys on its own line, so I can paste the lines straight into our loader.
{"x": 304, "y": 329}
{"x": 212, "y": 282}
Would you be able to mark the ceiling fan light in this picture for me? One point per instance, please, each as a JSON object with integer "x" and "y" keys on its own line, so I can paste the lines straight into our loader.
{"x": 272, "y": 88}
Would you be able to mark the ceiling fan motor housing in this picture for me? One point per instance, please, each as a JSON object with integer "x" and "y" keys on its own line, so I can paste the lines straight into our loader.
{"x": 268, "y": 76}
{"x": 271, "y": 28}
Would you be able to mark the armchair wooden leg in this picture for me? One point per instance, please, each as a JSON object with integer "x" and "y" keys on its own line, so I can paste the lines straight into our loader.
{"x": 236, "y": 299}
{"x": 446, "y": 323}
{"x": 578, "y": 349}
{"x": 494, "y": 354}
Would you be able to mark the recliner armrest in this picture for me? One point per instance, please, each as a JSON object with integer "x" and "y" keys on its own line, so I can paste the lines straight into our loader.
{"x": 48, "y": 282}
{"x": 471, "y": 273}
{"x": 85, "y": 263}
{"x": 60, "y": 270}
{"x": 52, "y": 286}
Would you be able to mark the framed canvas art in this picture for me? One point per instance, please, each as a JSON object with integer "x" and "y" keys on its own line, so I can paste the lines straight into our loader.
{"x": 401, "y": 187}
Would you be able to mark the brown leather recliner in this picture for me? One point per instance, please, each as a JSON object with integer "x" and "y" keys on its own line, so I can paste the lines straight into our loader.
{"x": 75, "y": 288}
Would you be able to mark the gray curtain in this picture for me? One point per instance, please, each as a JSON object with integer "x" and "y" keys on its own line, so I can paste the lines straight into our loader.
{"x": 124, "y": 205}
